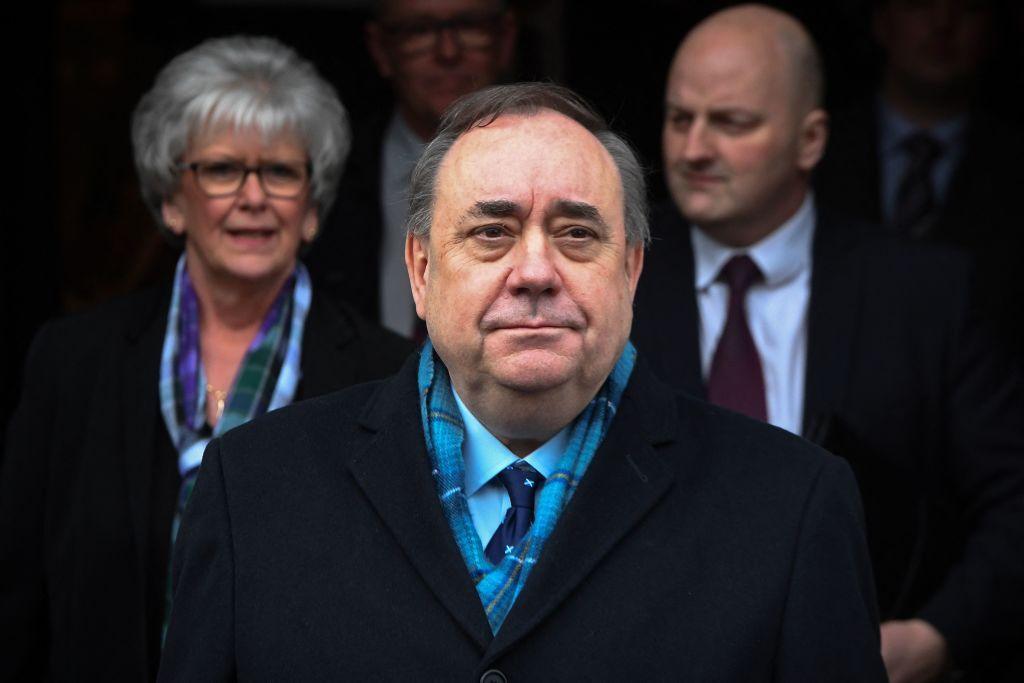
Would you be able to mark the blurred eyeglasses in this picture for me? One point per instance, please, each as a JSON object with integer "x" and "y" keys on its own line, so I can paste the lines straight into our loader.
{"x": 225, "y": 178}
{"x": 418, "y": 36}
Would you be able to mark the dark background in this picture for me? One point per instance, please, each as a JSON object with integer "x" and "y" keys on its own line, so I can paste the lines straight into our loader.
{"x": 75, "y": 229}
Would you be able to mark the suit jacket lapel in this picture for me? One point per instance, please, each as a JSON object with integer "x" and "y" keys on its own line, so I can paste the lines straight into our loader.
{"x": 394, "y": 473}
{"x": 139, "y": 397}
{"x": 832, "y": 321}
{"x": 325, "y": 367}
{"x": 667, "y": 320}
{"x": 624, "y": 481}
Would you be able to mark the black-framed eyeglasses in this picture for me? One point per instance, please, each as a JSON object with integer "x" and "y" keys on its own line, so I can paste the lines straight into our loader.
{"x": 418, "y": 36}
{"x": 225, "y": 177}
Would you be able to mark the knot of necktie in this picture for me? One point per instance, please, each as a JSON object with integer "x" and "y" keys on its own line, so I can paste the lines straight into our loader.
{"x": 922, "y": 148}
{"x": 740, "y": 272}
{"x": 521, "y": 481}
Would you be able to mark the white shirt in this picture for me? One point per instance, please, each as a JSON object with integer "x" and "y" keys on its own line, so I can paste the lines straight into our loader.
{"x": 485, "y": 456}
{"x": 400, "y": 151}
{"x": 776, "y": 309}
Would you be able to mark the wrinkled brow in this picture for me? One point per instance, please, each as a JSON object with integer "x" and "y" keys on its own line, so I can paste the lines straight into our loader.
{"x": 578, "y": 210}
{"x": 495, "y": 208}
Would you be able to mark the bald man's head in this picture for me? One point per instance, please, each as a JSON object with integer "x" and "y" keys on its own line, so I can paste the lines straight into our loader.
{"x": 743, "y": 126}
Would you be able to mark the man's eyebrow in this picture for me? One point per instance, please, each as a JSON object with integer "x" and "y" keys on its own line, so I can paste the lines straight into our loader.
{"x": 494, "y": 208}
{"x": 569, "y": 208}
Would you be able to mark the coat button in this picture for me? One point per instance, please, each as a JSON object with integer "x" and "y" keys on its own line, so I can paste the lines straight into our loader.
{"x": 493, "y": 676}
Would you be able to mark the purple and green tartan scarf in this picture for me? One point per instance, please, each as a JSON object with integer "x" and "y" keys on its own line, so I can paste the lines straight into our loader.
{"x": 499, "y": 585}
{"x": 266, "y": 379}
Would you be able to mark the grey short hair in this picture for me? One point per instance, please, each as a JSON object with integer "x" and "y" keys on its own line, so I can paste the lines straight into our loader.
{"x": 244, "y": 82}
{"x": 482, "y": 107}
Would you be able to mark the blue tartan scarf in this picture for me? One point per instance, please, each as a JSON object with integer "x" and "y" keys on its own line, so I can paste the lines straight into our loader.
{"x": 499, "y": 585}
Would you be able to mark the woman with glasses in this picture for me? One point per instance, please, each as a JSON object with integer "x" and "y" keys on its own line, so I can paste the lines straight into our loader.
{"x": 239, "y": 146}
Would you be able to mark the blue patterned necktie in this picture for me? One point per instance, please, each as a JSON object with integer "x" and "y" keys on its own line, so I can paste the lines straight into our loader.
{"x": 522, "y": 482}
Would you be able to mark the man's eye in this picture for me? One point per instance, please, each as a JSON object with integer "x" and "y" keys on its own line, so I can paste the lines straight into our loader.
{"x": 680, "y": 120}
{"x": 735, "y": 124}
{"x": 579, "y": 233}
{"x": 491, "y": 232}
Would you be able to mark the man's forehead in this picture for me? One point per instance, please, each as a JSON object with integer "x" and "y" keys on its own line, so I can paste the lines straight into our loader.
{"x": 395, "y": 9}
{"x": 545, "y": 153}
{"x": 727, "y": 67}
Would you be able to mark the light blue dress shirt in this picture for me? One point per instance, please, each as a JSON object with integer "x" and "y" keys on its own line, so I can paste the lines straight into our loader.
{"x": 485, "y": 456}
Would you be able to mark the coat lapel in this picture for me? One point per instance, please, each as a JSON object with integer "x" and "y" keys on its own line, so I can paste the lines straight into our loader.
{"x": 325, "y": 366}
{"x": 394, "y": 473}
{"x": 666, "y": 325}
{"x": 832, "y": 321}
{"x": 139, "y": 396}
{"x": 624, "y": 481}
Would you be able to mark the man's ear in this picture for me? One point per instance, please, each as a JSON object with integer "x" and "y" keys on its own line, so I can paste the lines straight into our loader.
{"x": 173, "y": 217}
{"x": 375, "y": 44}
{"x": 417, "y": 262}
{"x": 634, "y": 265}
{"x": 813, "y": 137}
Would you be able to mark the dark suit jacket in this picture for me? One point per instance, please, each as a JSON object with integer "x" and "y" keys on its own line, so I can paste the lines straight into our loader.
{"x": 344, "y": 261}
{"x": 699, "y": 546}
{"x": 901, "y": 381}
{"x": 90, "y": 480}
{"x": 980, "y": 213}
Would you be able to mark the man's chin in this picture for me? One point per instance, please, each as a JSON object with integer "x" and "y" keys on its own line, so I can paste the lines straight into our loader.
{"x": 534, "y": 371}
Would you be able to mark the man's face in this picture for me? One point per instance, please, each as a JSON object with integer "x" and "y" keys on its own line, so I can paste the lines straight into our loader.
{"x": 734, "y": 144}
{"x": 526, "y": 281}
{"x": 934, "y": 45}
{"x": 435, "y": 51}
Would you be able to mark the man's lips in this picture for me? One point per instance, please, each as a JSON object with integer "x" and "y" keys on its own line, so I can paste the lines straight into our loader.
{"x": 533, "y": 327}
{"x": 697, "y": 178}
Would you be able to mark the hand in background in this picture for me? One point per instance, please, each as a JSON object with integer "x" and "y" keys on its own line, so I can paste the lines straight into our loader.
{"x": 913, "y": 651}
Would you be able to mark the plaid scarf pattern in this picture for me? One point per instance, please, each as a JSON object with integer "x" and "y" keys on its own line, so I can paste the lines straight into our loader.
{"x": 499, "y": 585}
{"x": 266, "y": 380}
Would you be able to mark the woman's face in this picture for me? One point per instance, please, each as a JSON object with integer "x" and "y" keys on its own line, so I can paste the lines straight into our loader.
{"x": 248, "y": 234}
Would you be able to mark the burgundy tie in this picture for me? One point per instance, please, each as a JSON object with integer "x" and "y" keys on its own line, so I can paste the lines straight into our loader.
{"x": 736, "y": 381}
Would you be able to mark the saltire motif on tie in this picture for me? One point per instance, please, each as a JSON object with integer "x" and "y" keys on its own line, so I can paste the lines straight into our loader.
{"x": 498, "y": 585}
{"x": 266, "y": 379}
{"x": 522, "y": 483}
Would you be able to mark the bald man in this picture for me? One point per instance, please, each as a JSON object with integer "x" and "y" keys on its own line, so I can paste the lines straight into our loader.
{"x": 830, "y": 330}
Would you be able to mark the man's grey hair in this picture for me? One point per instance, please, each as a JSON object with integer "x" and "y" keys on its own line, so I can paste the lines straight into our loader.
{"x": 483, "y": 107}
{"x": 240, "y": 82}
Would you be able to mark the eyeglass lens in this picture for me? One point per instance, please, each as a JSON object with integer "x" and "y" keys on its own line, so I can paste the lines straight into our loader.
{"x": 278, "y": 179}
{"x": 473, "y": 31}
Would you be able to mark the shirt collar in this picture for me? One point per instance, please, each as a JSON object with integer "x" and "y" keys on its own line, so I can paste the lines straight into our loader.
{"x": 781, "y": 256}
{"x": 894, "y": 129}
{"x": 485, "y": 455}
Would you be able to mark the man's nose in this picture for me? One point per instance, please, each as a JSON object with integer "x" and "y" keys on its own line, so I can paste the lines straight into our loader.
{"x": 534, "y": 271}
{"x": 697, "y": 145}
{"x": 449, "y": 47}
